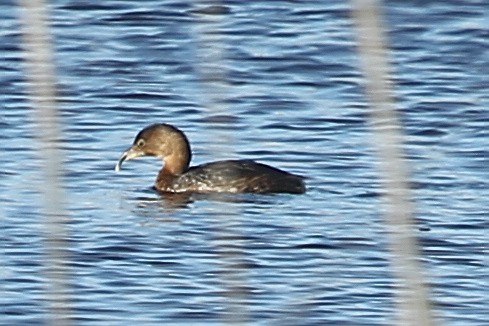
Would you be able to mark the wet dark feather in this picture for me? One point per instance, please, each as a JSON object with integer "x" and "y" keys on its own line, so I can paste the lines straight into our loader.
{"x": 241, "y": 176}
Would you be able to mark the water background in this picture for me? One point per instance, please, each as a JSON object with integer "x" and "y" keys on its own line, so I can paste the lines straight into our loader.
{"x": 292, "y": 98}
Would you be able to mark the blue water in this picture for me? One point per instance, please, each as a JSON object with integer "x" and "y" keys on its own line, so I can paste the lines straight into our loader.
{"x": 278, "y": 82}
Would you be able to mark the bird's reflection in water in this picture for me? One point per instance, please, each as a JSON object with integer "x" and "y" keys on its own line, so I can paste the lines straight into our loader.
{"x": 167, "y": 201}
{"x": 177, "y": 201}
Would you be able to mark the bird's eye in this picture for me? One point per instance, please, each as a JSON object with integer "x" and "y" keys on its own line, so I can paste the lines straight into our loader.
{"x": 141, "y": 143}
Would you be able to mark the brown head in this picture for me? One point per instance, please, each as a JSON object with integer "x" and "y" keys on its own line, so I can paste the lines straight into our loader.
{"x": 163, "y": 141}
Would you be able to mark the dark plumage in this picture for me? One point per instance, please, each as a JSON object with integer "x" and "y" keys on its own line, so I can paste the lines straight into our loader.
{"x": 172, "y": 146}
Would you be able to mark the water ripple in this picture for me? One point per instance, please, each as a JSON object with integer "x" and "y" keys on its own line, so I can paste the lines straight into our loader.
{"x": 291, "y": 95}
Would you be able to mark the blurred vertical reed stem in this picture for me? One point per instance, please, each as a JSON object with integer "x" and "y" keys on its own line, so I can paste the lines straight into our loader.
{"x": 412, "y": 295}
{"x": 40, "y": 75}
{"x": 214, "y": 89}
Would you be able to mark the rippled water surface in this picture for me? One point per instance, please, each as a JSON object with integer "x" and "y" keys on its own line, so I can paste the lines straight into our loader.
{"x": 292, "y": 98}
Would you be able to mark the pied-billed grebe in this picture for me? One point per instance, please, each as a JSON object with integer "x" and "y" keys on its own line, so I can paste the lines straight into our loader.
{"x": 171, "y": 145}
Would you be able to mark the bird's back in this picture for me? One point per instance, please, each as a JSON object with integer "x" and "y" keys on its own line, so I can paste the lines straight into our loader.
{"x": 239, "y": 176}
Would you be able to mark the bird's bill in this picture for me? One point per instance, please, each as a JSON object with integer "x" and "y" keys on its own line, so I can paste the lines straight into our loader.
{"x": 131, "y": 153}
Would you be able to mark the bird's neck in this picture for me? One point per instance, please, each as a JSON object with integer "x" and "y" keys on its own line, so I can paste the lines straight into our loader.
{"x": 175, "y": 164}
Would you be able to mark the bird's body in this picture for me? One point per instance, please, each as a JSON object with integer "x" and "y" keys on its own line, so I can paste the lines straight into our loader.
{"x": 235, "y": 176}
